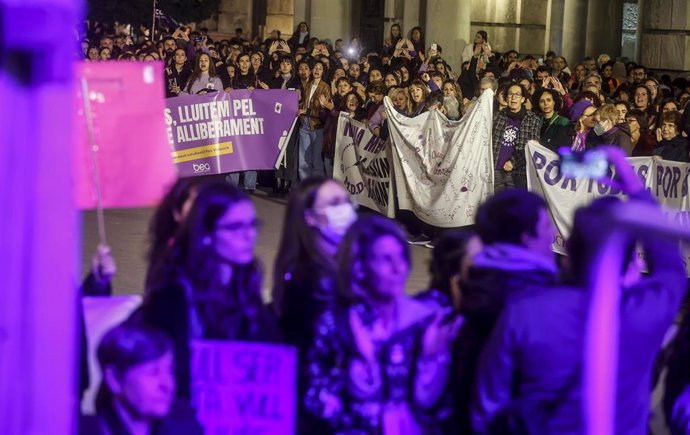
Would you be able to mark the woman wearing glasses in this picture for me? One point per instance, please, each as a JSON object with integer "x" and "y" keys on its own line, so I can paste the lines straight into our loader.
{"x": 209, "y": 286}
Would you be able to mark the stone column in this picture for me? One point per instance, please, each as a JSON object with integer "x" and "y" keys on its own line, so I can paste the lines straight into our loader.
{"x": 448, "y": 25}
{"x": 331, "y": 19}
{"x": 604, "y": 28}
{"x": 574, "y": 30}
{"x": 233, "y": 14}
{"x": 280, "y": 15}
{"x": 555, "y": 26}
{"x": 665, "y": 35}
{"x": 410, "y": 15}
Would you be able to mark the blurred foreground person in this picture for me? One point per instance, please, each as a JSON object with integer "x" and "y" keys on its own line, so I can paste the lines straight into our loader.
{"x": 532, "y": 367}
{"x": 318, "y": 214}
{"x": 380, "y": 360}
{"x": 137, "y": 394}
{"x": 209, "y": 286}
{"x": 517, "y": 232}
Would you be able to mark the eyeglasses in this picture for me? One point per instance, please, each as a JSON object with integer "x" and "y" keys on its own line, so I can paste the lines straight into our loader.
{"x": 235, "y": 227}
{"x": 514, "y": 95}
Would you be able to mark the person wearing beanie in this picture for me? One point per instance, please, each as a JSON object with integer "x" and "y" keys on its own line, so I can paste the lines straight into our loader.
{"x": 582, "y": 118}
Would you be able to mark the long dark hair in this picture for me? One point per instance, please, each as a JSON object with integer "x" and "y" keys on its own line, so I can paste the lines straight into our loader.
{"x": 299, "y": 247}
{"x": 165, "y": 221}
{"x": 196, "y": 73}
{"x": 446, "y": 259}
{"x": 124, "y": 347}
{"x": 227, "y": 311}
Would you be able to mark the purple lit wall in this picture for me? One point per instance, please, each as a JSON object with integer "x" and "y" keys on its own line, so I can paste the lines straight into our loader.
{"x": 38, "y": 223}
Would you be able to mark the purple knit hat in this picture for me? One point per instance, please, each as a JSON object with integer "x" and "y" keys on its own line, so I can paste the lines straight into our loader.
{"x": 578, "y": 109}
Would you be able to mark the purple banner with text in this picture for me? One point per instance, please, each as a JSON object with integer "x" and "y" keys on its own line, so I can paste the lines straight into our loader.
{"x": 229, "y": 132}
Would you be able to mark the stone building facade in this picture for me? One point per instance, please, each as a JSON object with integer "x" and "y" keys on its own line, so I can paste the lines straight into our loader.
{"x": 654, "y": 32}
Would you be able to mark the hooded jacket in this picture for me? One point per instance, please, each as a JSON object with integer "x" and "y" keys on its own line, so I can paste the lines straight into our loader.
{"x": 619, "y": 136}
{"x": 499, "y": 271}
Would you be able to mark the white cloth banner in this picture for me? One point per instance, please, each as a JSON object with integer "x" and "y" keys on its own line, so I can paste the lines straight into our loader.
{"x": 443, "y": 169}
{"x": 667, "y": 181}
{"x": 363, "y": 163}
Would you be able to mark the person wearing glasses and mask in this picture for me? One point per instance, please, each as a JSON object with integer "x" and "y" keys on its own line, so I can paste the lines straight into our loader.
{"x": 318, "y": 214}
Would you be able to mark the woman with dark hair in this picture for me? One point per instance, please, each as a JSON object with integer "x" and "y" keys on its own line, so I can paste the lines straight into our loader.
{"x": 137, "y": 393}
{"x": 609, "y": 84}
{"x": 555, "y": 129}
{"x": 394, "y": 36}
{"x": 244, "y": 75}
{"x": 672, "y": 145}
{"x": 285, "y": 77}
{"x": 642, "y": 99}
{"x": 643, "y": 142}
{"x": 380, "y": 360}
{"x": 450, "y": 262}
{"x": 203, "y": 78}
{"x": 210, "y": 282}
{"x": 669, "y": 105}
{"x": 470, "y": 50}
{"x": 167, "y": 219}
{"x": 177, "y": 73}
{"x": 300, "y": 37}
{"x": 318, "y": 214}
{"x": 313, "y": 116}
{"x": 303, "y": 73}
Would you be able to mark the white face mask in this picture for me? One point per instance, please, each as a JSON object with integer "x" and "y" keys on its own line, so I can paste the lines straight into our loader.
{"x": 600, "y": 129}
{"x": 338, "y": 220}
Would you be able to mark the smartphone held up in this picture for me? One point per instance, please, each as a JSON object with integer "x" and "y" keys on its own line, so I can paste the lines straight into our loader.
{"x": 592, "y": 164}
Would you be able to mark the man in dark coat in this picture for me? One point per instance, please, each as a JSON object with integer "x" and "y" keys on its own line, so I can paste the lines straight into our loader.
{"x": 535, "y": 356}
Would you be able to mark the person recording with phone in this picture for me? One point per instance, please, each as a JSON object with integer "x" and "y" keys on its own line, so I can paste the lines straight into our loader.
{"x": 521, "y": 381}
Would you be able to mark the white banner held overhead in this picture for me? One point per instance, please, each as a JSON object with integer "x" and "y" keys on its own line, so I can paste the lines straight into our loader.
{"x": 443, "y": 168}
{"x": 363, "y": 163}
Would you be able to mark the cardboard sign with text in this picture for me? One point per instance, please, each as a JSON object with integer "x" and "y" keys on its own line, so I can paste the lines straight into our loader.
{"x": 243, "y": 388}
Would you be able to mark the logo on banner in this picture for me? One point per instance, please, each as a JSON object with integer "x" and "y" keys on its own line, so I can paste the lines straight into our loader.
{"x": 201, "y": 167}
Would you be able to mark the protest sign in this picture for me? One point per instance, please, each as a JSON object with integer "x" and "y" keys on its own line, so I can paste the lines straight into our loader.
{"x": 243, "y": 388}
{"x": 128, "y": 164}
{"x": 223, "y": 132}
{"x": 667, "y": 181}
{"x": 101, "y": 314}
{"x": 363, "y": 163}
{"x": 564, "y": 195}
{"x": 443, "y": 169}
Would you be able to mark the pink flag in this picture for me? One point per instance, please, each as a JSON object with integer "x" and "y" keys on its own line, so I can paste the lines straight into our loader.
{"x": 133, "y": 160}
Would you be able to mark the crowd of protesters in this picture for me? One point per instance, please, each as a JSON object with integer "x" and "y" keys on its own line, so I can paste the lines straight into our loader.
{"x": 495, "y": 345}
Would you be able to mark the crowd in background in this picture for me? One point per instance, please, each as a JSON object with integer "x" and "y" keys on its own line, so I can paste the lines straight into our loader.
{"x": 495, "y": 344}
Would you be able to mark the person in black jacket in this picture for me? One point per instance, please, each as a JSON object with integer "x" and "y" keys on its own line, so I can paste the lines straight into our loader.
{"x": 672, "y": 145}
{"x": 209, "y": 285}
{"x": 555, "y": 129}
{"x": 517, "y": 233}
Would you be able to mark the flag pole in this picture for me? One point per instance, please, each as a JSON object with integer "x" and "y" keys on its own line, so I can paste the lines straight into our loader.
{"x": 88, "y": 114}
{"x": 153, "y": 22}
